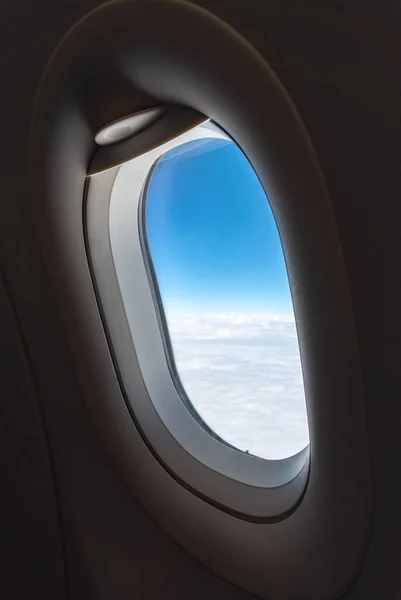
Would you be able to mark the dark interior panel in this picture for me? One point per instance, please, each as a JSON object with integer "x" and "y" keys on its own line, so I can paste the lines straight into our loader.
{"x": 69, "y": 525}
{"x": 31, "y": 535}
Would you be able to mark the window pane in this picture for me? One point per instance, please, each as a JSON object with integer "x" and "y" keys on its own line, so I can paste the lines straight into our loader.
{"x": 222, "y": 279}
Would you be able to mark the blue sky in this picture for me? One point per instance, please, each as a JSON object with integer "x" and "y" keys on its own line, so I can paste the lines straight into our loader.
{"x": 211, "y": 233}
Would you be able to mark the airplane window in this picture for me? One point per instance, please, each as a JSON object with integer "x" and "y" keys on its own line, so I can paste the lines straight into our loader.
{"x": 223, "y": 289}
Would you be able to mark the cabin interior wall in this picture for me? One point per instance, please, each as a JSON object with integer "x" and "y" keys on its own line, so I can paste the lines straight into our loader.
{"x": 70, "y": 521}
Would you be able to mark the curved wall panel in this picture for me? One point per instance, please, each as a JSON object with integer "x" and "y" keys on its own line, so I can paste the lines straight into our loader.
{"x": 138, "y": 54}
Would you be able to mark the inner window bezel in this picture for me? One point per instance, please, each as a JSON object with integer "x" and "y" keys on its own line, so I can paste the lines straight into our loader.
{"x": 266, "y": 487}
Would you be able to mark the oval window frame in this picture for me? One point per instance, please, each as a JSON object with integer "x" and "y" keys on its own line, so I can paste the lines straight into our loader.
{"x": 246, "y": 485}
{"x": 138, "y": 50}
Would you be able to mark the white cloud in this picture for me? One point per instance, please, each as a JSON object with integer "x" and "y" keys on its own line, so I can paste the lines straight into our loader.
{"x": 243, "y": 375}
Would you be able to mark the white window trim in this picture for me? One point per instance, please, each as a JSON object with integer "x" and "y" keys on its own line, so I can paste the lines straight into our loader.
{"x": 162, "y": 408}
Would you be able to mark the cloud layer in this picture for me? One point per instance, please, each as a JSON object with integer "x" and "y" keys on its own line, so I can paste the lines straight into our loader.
{"x": 243, "y": 375}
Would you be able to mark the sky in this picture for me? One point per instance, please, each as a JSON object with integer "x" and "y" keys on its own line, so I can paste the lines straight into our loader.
{"x": 221, "y": 273}
{"x": 212, "y": 234}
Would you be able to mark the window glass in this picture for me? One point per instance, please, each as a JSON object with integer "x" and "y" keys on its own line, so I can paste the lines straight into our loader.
{"x": 220, "y": 272}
